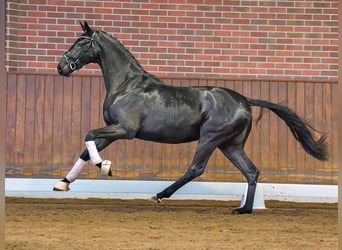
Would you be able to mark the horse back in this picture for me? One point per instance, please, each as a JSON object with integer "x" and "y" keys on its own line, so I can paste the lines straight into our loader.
{"x": 177, "y": 114}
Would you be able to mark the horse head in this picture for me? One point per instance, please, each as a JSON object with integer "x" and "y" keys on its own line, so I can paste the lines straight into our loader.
{"x": 82, "y": 52}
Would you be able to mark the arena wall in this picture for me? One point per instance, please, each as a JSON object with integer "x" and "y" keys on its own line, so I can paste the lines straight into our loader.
{"x": 50, "y": 116}
{"x": 282, "y": 51}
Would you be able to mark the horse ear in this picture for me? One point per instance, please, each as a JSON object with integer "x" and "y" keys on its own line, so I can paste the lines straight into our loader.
{"x": 82, "y": 26}
{"x": 86, "y": 28}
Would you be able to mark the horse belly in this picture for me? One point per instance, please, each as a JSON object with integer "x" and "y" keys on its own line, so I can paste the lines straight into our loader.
{"x": 169, "y": 131}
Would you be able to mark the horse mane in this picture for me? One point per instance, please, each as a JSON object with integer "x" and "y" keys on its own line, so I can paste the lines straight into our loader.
{"x": 130, "y": 56}
{"x": 126, "y": 52}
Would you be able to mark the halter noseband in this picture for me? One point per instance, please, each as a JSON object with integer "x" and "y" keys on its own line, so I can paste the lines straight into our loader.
{"x": 74, "y": 61}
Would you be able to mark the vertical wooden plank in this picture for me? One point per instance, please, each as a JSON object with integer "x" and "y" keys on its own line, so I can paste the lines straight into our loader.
{"x": 20, "y": 125}
{"x": 171, "y": 162}
{"x": 66, "y": 157}
{"x": 334, "y": 134}
{"x": 327, "y": 127}
{"x": 282, "y": 135}
{"x": 173, "y": 82}
{"x": 309, "y": 117}
{"x": 29, "y": 126}
{"x": 230, "y": 85}
{"x": 121, "y": 158}
{"x": 165, "y": 163}
{"x": 149, "y": 171}
{"x": 300, "y": 108}
{"x": 220, "y": 83}
{"x": 174, "y": 161}
{"x": 157, "y": 160}
{"x": 48, "y": 125}
{"x": 39, "y": 126}
{"x": 140, "y": 158}
{"x": 57, "y": 127}
{"x": 11, "y": 125}
{"x": 274, "y": 131}
{"x": 129, "y": 159}
{"x": 317, "y": 123}
{"x": 291, "y": 142}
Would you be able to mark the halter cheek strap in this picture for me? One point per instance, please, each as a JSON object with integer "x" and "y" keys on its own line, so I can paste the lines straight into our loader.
{"x": 72, "y": 60}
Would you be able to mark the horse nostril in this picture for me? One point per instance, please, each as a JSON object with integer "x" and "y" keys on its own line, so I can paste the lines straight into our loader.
{"x": 59, "y": 69}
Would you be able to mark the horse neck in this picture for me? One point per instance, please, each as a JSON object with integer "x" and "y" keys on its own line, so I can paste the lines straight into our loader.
{"x": 116, "y": 66}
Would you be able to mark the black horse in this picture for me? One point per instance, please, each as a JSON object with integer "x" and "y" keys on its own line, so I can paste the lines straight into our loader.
{"x": 139, "y": 105}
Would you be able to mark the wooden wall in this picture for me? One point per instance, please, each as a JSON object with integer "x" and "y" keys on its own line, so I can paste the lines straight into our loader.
{"x": 48, "y": 117}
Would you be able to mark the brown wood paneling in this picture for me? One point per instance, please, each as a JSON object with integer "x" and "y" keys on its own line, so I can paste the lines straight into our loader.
{"x": 11, "y": 124}
{"x": 328, "y": 114}
{"x": 48, "y": 126}
{"x": 57, "y": 127}
{"x": 333, "y": 171}
{"x": 300, "y": 108}
{"x": 20, "y": 125}
{"x": 49, "y": 116}
{"x": 39, "y": 121}
{"x": 291, "y": 143}
{"x": 67, "y": 161}
{"x": 29, "y": 125}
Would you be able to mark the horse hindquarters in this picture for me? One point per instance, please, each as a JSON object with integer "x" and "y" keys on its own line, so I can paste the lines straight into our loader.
{"x": 230, "y": 136}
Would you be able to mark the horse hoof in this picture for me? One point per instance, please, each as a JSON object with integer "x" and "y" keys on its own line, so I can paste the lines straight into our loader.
{"x": 236, "y": 212}
{"x": 106, "y": 168}
{"x": 241, "y": 211}
{"x": 61, "y": 186}
{"x": 155, "y": 199}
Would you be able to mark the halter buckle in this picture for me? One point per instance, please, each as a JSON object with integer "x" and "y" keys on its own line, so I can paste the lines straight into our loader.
{"x": 72, "y": 65}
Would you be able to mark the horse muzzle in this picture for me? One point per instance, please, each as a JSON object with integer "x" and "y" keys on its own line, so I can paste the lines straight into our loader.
{"x": 64, "y": 69}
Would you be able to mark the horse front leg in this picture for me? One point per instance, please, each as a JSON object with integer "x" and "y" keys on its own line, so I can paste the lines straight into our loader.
{"x": 96, "y": 140}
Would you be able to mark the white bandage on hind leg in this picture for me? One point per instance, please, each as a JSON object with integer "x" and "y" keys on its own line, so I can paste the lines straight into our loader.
{"x": 93, "y": 153}
{"x": 76, "y": 170}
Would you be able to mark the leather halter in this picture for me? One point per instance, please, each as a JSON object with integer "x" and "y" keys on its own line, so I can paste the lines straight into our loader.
{"x": 74, "y": 61}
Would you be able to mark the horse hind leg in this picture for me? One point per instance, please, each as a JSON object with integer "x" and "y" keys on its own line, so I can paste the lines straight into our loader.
{"x": 238, "y": 157}
{"x": 197, "y": 167}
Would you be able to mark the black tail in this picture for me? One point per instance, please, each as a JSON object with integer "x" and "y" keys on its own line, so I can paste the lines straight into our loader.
{"x": 299, "y": 128}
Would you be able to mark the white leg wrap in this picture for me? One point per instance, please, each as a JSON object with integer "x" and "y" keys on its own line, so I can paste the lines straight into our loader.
{"x": 93, "y": 153}
{"x": 76, "y": 170}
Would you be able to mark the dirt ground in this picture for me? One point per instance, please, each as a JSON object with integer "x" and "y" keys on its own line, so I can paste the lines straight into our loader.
{"x": 138, "y": 224}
